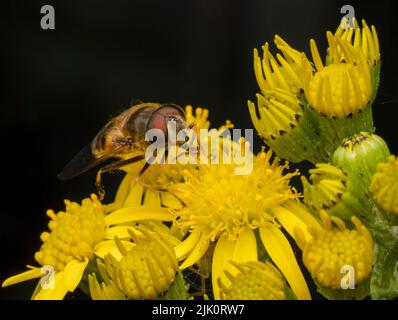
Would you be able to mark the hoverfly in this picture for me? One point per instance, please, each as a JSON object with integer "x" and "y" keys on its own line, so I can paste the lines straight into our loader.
{"x": 123, "y": 138}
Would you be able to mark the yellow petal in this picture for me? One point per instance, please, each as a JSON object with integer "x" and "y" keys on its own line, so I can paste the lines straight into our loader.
{"x": 289, "y": 221}
{"x": 139, "y": 213}
{"x": 73, "y": 273}
{"x": 119, "y": 231}
{"x": 134, "y": 197}
{"x": 196, "y": 253}
{"x": 245, "y": 247}
{"x": 223, "y": 253}
{"x": 187, "y": 245}
{"x": 300, "y": 211}
{"x": 152, "y": 199}
{"x": 123, "y": 189}
{"x": 21, "y": 277}
{"x": 109, "y": 246}
{"x": 56, "y": 289}
{"x": 170, "y": 201}
{"x": 282, "y": 255}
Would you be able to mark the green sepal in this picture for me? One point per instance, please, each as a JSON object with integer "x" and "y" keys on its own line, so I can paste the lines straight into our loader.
{"x": 299, "y": 143}
{"x": 360, "y": 292}
{"x": 375, "y": 80}
{"x": 178, "y": 290}
{"x": 332, "y": 131}
{"x": 289, "y": 293}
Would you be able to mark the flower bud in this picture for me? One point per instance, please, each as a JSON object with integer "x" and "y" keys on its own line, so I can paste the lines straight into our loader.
{"x": 359, "y": 156}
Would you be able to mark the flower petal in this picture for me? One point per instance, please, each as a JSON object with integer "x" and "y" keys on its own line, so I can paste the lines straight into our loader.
{"x": 300, "y": 211}
{"x": 21, "y": 277}
{"x": 109, "y": 246}
{"x": 170, "y": 201}
{"x": 223, "y": 253}
{"x": 119, "y": 231}
{"x": 187, "y": 245}
{"x": 196, "y": 253}
{"x": 124, "y": 188}
{"x": 134, "y": 197}
{"x": 73, "y": 273}
{"x": 56, "y": 289}
{"x": 139, "y": 213}
{"x": 282, "y": 255}
{"x": 245, "y": 247}
{"x": 152, "y": 199}
{"x": 289, "y": 221}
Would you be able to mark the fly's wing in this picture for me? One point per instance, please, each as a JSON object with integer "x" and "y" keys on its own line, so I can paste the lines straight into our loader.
{"x": 84, "y": 161}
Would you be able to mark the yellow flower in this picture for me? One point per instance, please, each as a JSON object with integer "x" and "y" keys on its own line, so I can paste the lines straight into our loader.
{"x": 284, "y": 72}
{"x": 76, "y": 236}
{"x": 343, "y": 87}
{"x": 279, "y": 111}
{"x": 145, "y": 271}
{"x": 384, "y": 185}
{"x": 329, "y": 183}
{"x": 284, "y": 127}
{"x": 255, "y": 281}
{"x": 365, "y": 39}
{"x": 336, "y": 192}
{"x": 226, "y": 208}
{"x": 334, "y": 248}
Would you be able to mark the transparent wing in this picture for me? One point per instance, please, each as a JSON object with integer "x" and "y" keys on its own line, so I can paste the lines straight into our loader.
{"x": 84, "y": 161}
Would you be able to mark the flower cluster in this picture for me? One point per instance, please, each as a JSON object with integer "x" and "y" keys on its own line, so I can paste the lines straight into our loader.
{"x": 182, "y": 231}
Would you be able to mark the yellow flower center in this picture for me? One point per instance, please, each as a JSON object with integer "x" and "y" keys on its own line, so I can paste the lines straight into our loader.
{"x": 384, "y": 185}
{"x": 217, "y": 200}
{"x": 74, "y": 233}
{"x": 339, "y": 90}
{"x": 334, "y": 251}
{"x": 255, "y": 281}
{"x": 147, "y": 269}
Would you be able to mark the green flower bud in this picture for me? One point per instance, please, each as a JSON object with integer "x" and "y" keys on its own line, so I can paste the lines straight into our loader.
{"x": 284, "y": 127}
{"x": 360, "y": 155}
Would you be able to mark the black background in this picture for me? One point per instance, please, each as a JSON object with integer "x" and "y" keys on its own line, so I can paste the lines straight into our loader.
{"x": 60, "y": 86}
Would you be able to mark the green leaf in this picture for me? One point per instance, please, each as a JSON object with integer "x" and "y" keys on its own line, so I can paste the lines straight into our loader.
{"x": 178, "y": 290}
{"x": 359, "y": 293}
{"x": 384, "y": 283}
{"x": 289, "y": 293}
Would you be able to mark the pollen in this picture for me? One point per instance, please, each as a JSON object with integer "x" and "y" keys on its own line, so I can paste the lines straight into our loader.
{"x": 335, "y": 247}
{"x": 254, "y": 281}
{"x": 73, "y": 233}
{"x": 384, "y": 185}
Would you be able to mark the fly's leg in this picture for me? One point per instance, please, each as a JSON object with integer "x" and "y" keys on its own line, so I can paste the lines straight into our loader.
{"x": 111, "y": 167}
